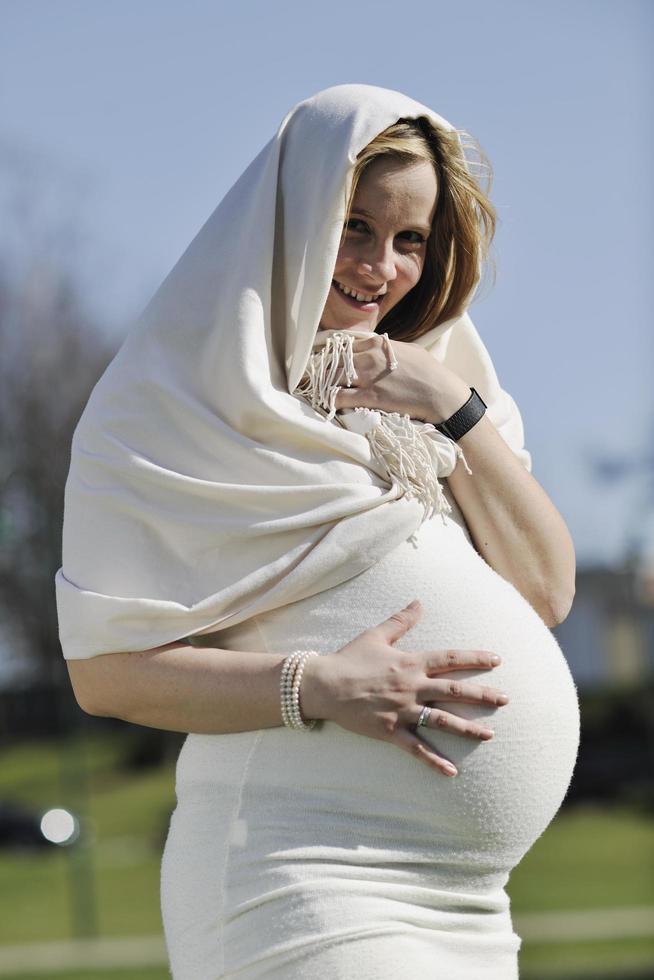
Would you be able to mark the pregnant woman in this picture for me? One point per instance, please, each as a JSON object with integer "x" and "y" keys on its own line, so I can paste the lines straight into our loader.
{"x": 302, "y": 433}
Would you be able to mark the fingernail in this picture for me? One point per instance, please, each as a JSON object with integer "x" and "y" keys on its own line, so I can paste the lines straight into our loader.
{"x": 449, "y": 769}
{"x": 414, "y": 604}
{"x": 495, "y": 659}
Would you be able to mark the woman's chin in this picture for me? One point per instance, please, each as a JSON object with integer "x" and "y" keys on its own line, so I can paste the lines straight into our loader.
{"x": 353, "y": 324}
{"x": 350, "y": 326}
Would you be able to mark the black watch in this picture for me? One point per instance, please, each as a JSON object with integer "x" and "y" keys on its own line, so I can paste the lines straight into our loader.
{"x": 463, "y": 420}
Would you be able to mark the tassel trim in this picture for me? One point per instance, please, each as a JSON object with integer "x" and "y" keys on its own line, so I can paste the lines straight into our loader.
{"x": 319, "y": 380}
{"x": 405, "y": 448}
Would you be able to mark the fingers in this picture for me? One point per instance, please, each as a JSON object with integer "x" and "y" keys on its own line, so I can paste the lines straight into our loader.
{"x": 359, "y": 345}
{"x": 443, "y": 720}
{"x": 443, "y": 660}
{"x": 404, "y": 739}
{"x": 365, "y": 343}
{"x": 342, "y": 380}
{"x": 468, "y": 692}
{"x": 400, "y": 622}
{"x": 455, "y": 724}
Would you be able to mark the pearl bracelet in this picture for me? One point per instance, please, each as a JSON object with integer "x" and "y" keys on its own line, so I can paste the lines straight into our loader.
{"x": 289, "y": 689}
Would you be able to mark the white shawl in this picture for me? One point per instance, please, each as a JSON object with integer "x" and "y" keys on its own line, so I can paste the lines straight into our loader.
{"x": 204, "y": 488}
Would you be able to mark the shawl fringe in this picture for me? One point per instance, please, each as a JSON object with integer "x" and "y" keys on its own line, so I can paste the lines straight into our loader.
{"x": 404, "y": 447}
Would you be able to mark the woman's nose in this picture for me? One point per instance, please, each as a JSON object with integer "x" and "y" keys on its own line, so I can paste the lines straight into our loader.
{"x": 379, "y": 262}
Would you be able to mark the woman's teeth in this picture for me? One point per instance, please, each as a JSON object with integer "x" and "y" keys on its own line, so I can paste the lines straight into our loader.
{"x": 359, "y": 297}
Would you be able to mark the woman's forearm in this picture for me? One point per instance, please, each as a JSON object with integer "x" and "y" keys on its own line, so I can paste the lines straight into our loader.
{"x": 513, "y": 523}
{"x": 182, "y": 688}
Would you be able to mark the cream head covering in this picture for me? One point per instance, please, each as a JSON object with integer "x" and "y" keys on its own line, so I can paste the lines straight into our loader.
{"x": 203, "y": 487}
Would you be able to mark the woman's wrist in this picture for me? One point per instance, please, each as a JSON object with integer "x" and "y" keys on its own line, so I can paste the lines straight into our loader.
{"x": 448, "y": 399}
{"x": 315, "y": 691}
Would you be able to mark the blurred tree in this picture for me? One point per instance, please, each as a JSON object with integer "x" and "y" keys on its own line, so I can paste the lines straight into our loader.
{"x": 51, "y": 355}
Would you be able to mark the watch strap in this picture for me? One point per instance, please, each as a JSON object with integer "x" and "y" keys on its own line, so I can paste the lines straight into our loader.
{"x": 463, "y": 419}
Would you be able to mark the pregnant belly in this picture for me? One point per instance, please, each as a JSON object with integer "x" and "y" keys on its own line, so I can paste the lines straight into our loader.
{"x": 509, "y": 788}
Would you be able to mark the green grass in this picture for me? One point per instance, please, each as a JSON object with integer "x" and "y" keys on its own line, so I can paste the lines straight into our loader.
{"x": 588, "y": 858}
{"x": 632, "y": 960}
{"x": 126, "y": 821}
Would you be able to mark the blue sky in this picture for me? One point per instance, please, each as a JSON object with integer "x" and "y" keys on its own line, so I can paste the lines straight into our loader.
{"x": 138, "y": 116}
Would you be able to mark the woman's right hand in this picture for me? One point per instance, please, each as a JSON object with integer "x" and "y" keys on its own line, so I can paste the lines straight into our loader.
{"x": 371, "y": 688}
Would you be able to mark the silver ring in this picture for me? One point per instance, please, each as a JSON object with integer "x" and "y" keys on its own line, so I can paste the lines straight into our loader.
{"x": 424, "y": 716}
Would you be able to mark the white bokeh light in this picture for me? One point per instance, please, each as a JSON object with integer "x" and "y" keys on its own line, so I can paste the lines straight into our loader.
{"x": 59, "y": 826}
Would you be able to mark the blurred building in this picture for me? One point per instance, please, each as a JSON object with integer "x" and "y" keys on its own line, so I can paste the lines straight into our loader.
{"x": 608, "y": 636}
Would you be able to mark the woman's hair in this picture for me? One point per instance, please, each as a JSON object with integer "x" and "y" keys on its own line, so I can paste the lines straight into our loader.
{"x": 462, "y": 229}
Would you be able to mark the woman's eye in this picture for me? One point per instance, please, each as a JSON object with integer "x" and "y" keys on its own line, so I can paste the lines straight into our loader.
{"x": 418, "y": 240}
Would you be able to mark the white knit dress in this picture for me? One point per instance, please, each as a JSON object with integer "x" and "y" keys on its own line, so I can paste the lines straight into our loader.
{"x": 328, "y": 854}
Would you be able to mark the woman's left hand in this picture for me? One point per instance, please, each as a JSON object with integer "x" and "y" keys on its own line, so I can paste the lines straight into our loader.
{"x": 418, "y": 386}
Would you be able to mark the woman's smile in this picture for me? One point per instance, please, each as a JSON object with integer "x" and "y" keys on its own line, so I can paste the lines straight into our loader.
{"x": 366, "y": 306}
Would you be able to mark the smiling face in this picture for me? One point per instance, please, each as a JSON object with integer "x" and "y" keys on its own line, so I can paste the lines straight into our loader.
{"x": 383, "y": 246}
